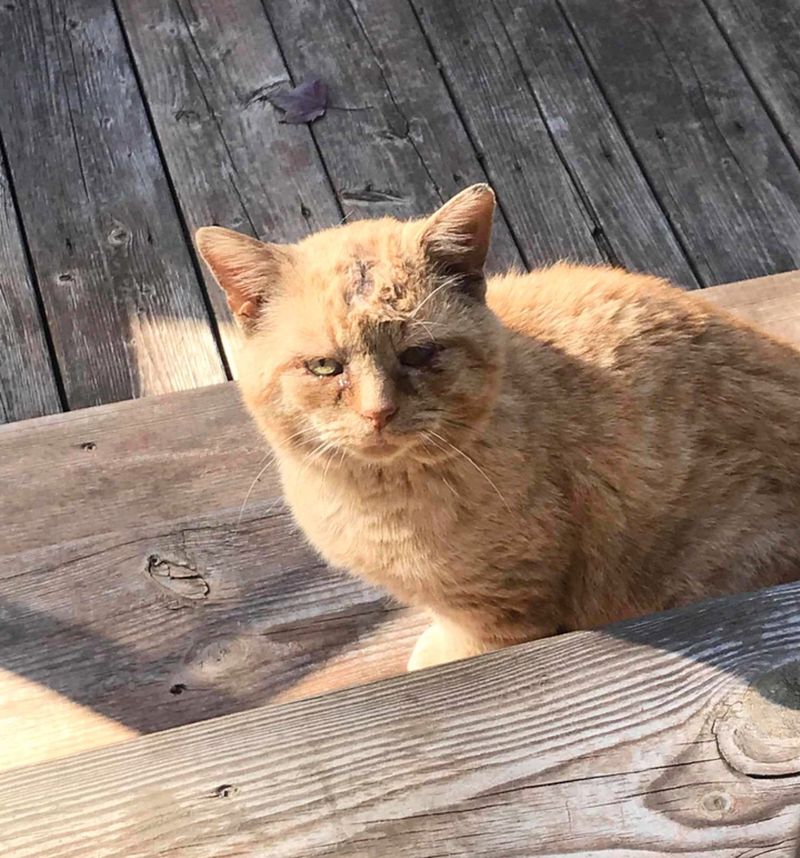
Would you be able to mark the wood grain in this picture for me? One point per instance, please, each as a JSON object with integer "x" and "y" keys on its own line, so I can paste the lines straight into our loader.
{"x": 765, "y": 37}
{"x": 705, "y": 142}
{"x": 628, "y": 221}
{"x": 772, "y": 303}
{"x": 139, "y": 593}
{"x": 593, "y": 743}
{"x": 206, "y": 71}
{"x": 185, "y": 621}
{"x": 391, "y": 140}
{"x": 27, "y": 381}
{"x": 125, "y": 310}
{"x": 126, "y": 549}
{"x": 536, "y": 191}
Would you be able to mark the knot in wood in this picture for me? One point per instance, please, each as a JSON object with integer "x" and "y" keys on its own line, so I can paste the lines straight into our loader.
{"x": 178, "y": 577}
{"x": 759, "y": 734}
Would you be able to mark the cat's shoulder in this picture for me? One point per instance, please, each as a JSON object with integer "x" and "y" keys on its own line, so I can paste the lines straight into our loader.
{"x": 587, "y": 295}
{"x": 570, "y": 285}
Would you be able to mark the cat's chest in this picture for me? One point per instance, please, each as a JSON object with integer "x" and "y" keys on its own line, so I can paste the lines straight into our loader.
{"x": 390, "y": 531}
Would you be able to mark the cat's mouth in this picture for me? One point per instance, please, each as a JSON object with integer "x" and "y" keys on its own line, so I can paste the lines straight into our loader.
{"x": 379, "y": 447}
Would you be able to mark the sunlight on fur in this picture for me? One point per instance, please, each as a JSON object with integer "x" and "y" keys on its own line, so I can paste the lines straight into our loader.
{"x": 540, "y": 453}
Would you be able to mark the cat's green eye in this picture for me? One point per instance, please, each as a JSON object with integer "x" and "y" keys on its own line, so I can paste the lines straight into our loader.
{"x": 324, "y": 367}
{"x": 418, "y": 356}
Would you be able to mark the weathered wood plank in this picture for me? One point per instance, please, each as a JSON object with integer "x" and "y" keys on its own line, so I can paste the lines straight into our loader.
{"x": 593, "y": 743}
{"x": 126, "y": 554}
{"x": 126, "y": 312}
{"x": 205, "y": 70}
{"x": 184, "y": 621}
{"x": 708, "y": 147}
{"x": 534, "y": 187}
{"x": 127, "y": 465}
{"x": 27, "y": 380}
{"x": 766, "y": 38}
{"x": 772, "y": 303}
{"x": 391, "y": 140}
{"x": 564, "y": 101}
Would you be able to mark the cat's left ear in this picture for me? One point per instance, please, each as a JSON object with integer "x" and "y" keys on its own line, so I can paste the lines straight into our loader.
{"x": 248, "y": 270}
{"x": 456, "y": 237}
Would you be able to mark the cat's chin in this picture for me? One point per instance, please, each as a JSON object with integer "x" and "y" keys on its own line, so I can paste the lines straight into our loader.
{"x": 381, "y": 450}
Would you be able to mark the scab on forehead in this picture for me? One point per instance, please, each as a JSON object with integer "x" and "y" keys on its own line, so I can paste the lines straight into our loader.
{"x": 361, "y": 281}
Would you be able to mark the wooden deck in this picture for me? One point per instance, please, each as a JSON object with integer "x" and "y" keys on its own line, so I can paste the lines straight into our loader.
{"x": 139, "y": 594}
{"x": 662, "y": 136}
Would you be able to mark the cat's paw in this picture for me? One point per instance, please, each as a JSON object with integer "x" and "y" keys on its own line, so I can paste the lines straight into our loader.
{"x": 429, "y": 649}
{"x": 439, "y": 644}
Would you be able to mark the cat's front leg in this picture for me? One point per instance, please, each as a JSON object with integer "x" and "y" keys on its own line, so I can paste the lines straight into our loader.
{"x": 444, "y": 641}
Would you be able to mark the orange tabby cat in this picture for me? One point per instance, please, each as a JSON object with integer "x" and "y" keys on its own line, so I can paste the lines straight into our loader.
{"x": 541, "y": 452}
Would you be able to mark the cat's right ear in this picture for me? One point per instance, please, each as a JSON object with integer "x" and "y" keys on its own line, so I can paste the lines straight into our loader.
{"x": 248, "y": 270}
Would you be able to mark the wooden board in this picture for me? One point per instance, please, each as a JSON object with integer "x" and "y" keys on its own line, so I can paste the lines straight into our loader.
{"x": 702, "y": 135}
{"x": 129, "y": 552}
{"x": 391, "y": 139}
{"x": 772, "y": 303}
{"x": 765, "y": 37}
{"x": 645, "y": 739}
{"x": 536, "y": 191}
{"x": 205, "y": 72}
{"x": 27, "y": 380}
{"x": 126, "y": 313}
{"x": 141, "y": 592}
{"x": 541, "y": 76}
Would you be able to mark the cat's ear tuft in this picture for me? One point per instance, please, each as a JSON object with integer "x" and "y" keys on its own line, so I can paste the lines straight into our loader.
{"x": 248, "y": 270}
{"x": 456, "y": 237}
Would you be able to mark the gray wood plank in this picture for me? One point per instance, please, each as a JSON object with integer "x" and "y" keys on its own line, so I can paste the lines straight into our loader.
{"x": 594, "y": 743}
{"x": 707, "y": 145}
{"x": 128, "y": 465}
{"x": 27, "y": 381}
{"x": 139, "y": 592}
{"x": 391, "y": 140}
{"x": 766, "y": 38}
{"x": 188, "y": 619}
{"x": 125, "y": 309}
{"x": 535, "y": 189}
{"x": 204, "y": 72}
{"x": 589, "y": 139}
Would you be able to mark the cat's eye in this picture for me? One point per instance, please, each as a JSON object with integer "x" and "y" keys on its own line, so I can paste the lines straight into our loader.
{"x": 418, "y": 356}
{"x": 324, "y": 367}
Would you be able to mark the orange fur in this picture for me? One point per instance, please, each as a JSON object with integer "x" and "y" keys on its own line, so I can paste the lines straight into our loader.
{"x": 587, "y": 445}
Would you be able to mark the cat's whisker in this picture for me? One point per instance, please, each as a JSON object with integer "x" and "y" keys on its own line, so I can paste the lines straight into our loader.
{"x": 428, "y": 439}
{"x": 270, "y": 458}
{"x": 316, "y": 454}
{"x": 252, "y": 486}
{"x": 475, "y": 465}
{"x": 443, "y": 285}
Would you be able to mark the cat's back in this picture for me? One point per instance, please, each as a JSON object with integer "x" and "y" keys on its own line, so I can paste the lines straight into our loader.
{"x": 617, "y": 318}
{"x": 633, "y": 346}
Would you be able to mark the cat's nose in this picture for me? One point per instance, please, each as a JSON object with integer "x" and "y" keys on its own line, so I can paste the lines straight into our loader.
{"x": 380, "y": 415}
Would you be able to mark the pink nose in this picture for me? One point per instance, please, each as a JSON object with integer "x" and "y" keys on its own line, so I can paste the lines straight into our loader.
{"x": 379, "y": 417}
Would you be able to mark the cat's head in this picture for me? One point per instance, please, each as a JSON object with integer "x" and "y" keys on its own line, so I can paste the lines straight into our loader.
{"x": 371, "y": 339}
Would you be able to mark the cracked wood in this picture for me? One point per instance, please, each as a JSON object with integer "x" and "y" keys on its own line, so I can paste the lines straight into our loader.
{"x": 204, "y": 72}
{"x": 708, "y": 147}
{"x": 392, "y": 142}
{"x": 126, "y": 313}
{"x": 27, "y": 380}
